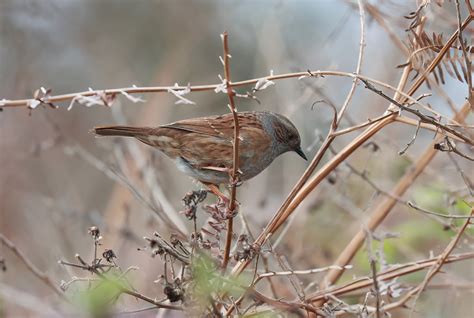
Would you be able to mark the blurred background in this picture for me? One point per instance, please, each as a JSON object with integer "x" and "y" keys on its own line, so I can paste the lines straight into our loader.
{"x": 57, "y": 180}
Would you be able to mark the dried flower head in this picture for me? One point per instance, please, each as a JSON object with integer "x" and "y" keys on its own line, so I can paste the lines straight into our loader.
{"x": 109, "y": 255}
{"x": 94, "y": 232}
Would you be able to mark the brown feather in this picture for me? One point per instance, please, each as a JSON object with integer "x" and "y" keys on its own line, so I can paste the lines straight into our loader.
{"x": 217, "y": 126}
{"x": 124, "y": 131}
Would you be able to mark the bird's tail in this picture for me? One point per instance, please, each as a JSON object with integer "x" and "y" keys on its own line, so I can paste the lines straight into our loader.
{"x": 125, "y": 131}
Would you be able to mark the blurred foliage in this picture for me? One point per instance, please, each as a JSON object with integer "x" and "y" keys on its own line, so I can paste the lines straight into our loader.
{"x": 208, "y": 280}
{"x": 430, "y": 197}
{"x": 98, "y": 299}
{"x": 399, "y": 167}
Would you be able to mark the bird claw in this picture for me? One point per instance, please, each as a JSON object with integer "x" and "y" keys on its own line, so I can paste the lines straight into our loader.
{"x": 215, "y": 190}
{"x": 221, "y": 196}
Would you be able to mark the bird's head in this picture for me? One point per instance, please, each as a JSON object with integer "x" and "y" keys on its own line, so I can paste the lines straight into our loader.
{"x": 285, "y": 135}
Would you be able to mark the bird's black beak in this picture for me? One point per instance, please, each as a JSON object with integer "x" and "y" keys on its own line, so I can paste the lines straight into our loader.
{"x": 301, "y": 153}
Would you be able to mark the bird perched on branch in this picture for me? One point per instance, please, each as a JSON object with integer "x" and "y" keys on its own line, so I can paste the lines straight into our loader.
{"x": 203, "y": 147}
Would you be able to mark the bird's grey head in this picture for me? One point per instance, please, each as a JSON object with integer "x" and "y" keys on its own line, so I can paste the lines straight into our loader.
{"x": 286, "y": 136}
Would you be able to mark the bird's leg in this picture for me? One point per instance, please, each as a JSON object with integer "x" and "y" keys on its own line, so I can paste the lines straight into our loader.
{"x": 215, "y": 190}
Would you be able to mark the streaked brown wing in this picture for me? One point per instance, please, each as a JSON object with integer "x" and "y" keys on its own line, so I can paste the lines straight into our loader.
{"x": 208, "y": 141}
{"x": 221, "y": 126}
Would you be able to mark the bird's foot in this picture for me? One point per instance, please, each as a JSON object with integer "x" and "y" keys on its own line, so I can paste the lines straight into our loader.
{"x": 214, "y": 189}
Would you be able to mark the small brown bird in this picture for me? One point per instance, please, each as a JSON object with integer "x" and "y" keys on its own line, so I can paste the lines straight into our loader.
{"x": 202, "y": 147}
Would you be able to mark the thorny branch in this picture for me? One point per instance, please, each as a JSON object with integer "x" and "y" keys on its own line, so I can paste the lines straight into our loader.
{"x": 416, "y": 112}
{"x": 4, "y": 103}
{"x": 235, "y": 166}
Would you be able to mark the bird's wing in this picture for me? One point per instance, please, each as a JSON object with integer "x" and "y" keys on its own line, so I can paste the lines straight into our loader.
{"x": 214, "y": 146}
{"x": 221, "y": 126}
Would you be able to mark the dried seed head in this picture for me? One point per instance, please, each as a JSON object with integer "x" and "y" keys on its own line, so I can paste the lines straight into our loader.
{"x": 94, "y": 232}
{"x": 174, "y": 292}
{"x": 109, "y": 255}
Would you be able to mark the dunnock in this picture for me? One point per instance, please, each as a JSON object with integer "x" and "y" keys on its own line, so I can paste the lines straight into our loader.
{"x": 202, "y": 147}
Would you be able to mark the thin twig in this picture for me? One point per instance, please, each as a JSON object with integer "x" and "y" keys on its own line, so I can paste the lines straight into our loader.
{"x": 382, "y": 210}
{"x": 360, "y": 126}
{"x": 359, "y": 62}
{"x": 402, "y": 152}
{"x": 415, "y": 123}
{"x": 93, "y": 269}
{"x": 435, "y": 268}
{"x": 300, "y": 272}
{"x": 305, "y": 186}
{"x": 373, "y": 267}
{"x": 389, "y": 274}
{"x": 446, "y": 216}
{"x": 423, "y": 117}
{"x": 466, "y": 180}
{"x": 448, "y": 146}
{"x": 235, "y": 158}
{"x": 4, "y": 103}
{"x": 119, "y": 178}
{"x": 31, "y": 267}
{"x": 365, "y": 177}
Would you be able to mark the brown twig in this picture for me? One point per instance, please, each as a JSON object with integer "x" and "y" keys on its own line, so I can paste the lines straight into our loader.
{"x": 435, "y": 268}
{"x": 412, "y": 140}
{"x": 382, "y": 209}
{"x": 94, "y": 269}
{"x": 347, "y": 288}
{"x": 235, "y": 165}
{"x": 375, "y": 282}
{"x": 394, "y": 272}
{"x": 409, "y": 204}
{"x": 119, "y": 178}
{"x": 31, "y": 267}
{"x": 469, "y": 7}
{"x": 427, "y": 126}
{"x": 300, "y": 192}
{"x": 448, "y": 146}
{"x": 359, "y": 62}
{"x": 300, "y": 75}
{"x": 360, "y": 126}
{"x": 416, "y": 112}
{"x": 5, "y": 103}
